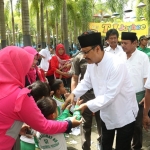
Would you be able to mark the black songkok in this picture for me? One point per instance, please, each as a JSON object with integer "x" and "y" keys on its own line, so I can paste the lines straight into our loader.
{"x": 91, "y": 39}
{"x": 128, "y": 36}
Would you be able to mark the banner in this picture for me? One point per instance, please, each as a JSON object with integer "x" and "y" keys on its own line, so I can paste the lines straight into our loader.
{"x": 141, "y": 27}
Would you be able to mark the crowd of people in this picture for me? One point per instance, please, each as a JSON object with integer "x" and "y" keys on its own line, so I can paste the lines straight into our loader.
{"x": 42, "y": 100}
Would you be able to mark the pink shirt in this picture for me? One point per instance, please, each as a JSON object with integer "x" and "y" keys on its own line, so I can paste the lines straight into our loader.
{"x": 11, "y": 122}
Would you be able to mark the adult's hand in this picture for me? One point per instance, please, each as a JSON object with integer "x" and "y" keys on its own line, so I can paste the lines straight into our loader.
{"x": 82, "y": 107}
{"x": 146, "y": 122}
{"x": 66, "y": 74}
{"x": 79, "y": 101}
{"x": 68, "y": 65}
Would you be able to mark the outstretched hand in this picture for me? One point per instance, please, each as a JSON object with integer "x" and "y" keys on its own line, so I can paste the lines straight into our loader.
{"x": 69, "y": 100}
{"x": 79, "y": 102}
{"x": 69, "y": 106}
{"x": 82, "y": 107}
{"x": 75, "y": 122}
{"x": 24, "y": 129}
{"x": 66, "y": 95}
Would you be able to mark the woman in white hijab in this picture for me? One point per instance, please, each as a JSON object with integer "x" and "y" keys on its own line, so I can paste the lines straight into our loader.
{"x": 46, "y": 56}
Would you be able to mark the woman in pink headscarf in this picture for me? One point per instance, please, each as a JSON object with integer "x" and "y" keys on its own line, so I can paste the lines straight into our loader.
{"x": 16, "y": 103}
{"x": 34, "y": 73}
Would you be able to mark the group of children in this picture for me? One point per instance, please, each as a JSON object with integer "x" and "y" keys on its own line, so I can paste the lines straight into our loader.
{"x": 51, "y": 107}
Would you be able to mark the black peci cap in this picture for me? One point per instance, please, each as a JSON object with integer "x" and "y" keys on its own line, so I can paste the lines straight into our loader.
{"x": 128, "y": 36}
{"x": 91, "y": 39}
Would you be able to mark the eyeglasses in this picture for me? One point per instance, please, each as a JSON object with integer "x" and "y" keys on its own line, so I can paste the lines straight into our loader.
{"x": 85, "y": 53}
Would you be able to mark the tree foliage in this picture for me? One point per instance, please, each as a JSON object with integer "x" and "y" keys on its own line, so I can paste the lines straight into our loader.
{"x": 79, "y": 14}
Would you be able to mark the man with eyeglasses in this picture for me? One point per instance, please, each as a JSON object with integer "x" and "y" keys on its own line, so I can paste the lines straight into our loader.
{"x": 78, "y": 69}
{"x": 114, "y": 92}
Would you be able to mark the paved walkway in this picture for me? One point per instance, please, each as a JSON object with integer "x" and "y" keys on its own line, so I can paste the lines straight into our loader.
{"x": 74, "y": 142}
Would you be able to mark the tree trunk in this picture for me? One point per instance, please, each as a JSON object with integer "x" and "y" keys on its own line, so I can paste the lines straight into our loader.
{"x": 75, "y": 33}
{"x": 56, "y": 27}
{"x": 38, "y": 27}
{"x": 25, "y": 23}
{"x": 62, "y": 38}
{"x": 43, "y": 43}
{"x": 54, "y": 42}
{"x": 47, "y": 28}
{"x": 13, "y": 26}
{"x": 148, "y": 11}
{"x": 2, "y": 22}
{"x": 65, "y": 27}
{"x": 70, "y": 38}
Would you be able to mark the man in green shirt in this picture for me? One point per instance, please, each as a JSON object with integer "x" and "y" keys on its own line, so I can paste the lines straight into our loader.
{"x": 143, "y": 40}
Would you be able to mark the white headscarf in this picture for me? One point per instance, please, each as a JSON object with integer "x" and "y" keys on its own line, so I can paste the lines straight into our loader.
{"x": 45, "y": 61}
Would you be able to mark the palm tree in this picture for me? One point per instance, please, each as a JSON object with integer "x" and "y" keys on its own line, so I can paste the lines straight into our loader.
{"x": 57, "y": 4}
{"x": 52, "y": 24}
{"x": 2, "y": 25}
{"x": 116, "y": 6}
{"x": 47, "y": 7}
{"x": 65, "y": 27}
{"x": 47, "y": 28}
{"x": 43, "y": 43}
{"x": 74, "y": 20}
{"x": 35, "y": 11}
{"x": 8, "y": 31}
{"x": 25, "y": 23}
{"x": 13, "y": 25}
{"x": 85, "y": 9}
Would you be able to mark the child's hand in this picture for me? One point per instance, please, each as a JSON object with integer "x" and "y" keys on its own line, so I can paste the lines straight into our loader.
{"x": 63, "y": 106}
{"x": 51, "y": 93}
{"x": 66, "y": 95}
{"x": 75, "y": 122}
{"x": 69, "y": 106}
{"x": 24, "y": 129}
{"x": 79, "y": 102}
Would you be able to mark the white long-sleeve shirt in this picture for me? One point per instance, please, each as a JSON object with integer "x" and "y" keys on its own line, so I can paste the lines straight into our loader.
{"x": 147, "y": 84}
{"x": 138, "y": 66}
{"x": 114, "y": 92}
{"x": 118, "y": 51}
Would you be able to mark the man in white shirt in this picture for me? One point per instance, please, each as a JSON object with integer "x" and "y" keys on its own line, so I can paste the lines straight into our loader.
{"x": 138, "y": 66}
{"x": 114, "y": 93}
{"x": 112, "y": 39}
{"x": 78, "y": 70}
{"x": 146, "y": 119}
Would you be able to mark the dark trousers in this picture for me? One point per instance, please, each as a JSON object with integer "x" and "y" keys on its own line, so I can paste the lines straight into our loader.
{"x": 87, "y": 124}
{"x": 137, "y": 136}
{"x": 67, "y": 82}
{"x": 50, "y": 79}
{"x": 123, "y": 137}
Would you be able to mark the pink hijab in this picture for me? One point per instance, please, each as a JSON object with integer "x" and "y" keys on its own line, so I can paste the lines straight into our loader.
{"x": 14, "y": 65}
{"x": 30, "y": 50}
{"x": 32, "y": 72}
